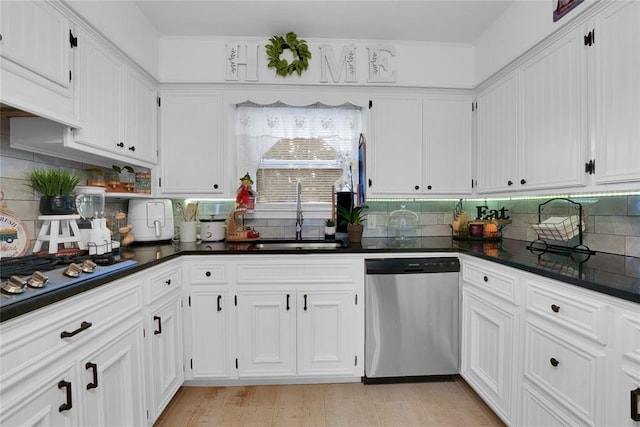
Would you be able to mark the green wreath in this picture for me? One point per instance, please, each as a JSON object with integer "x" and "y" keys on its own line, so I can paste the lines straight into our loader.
{"x": 299, "y": 49}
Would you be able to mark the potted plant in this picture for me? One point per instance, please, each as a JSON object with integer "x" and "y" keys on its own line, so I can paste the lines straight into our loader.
{"x": 329, "y": 228}
{"x": 95, "y": 177}
{"x": 354, "y": 218}
{"x": 122, "y": 179}
{"x": 55, "y": 187}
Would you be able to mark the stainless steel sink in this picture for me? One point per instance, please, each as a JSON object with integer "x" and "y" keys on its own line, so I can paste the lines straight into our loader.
{"x": 299, "y": 244}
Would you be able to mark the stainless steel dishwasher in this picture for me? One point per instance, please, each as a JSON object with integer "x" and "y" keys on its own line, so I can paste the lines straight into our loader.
{"x": 412, "y": 319}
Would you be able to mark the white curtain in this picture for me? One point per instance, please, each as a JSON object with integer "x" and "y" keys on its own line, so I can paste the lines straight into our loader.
{"x": 259, "y": 127}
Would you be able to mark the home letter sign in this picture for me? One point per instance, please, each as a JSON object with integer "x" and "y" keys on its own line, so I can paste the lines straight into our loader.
{"x": 242, "y": 54}
{"x": 379, "y": 69}
{"x": 347, "y": 59}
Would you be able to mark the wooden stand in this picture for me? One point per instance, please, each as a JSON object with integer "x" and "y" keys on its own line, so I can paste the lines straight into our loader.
{"x": 57, "y": 229}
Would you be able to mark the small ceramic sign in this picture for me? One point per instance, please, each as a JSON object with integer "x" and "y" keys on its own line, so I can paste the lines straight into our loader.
{"x": 14, "y": 236}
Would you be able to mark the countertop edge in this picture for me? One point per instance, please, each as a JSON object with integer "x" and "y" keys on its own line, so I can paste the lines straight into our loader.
{"x": 18, "y": 309}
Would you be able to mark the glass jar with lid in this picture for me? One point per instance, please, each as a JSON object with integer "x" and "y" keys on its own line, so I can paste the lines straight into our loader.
{"x": 403, "y": 223}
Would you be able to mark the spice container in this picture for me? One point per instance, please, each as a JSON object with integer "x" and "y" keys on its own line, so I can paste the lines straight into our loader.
{"x": 476, "y": 229}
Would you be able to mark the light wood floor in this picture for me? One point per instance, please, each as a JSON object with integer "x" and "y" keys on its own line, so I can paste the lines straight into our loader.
{"x": 418, "y": 404}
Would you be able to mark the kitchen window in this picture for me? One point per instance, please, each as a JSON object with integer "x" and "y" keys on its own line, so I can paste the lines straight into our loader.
{"x": 280, "y": 144}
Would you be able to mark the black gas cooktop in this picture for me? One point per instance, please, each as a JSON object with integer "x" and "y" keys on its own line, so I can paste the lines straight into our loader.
{"x": 54, "y": 271}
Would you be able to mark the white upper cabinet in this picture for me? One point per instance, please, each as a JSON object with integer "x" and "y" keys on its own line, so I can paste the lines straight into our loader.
{"x": 553, "y": 119}
{"x": 396, "y": 145}
{"x": 117, "y": 105}
{"x": 36, "y": 36}
{"x": 447, "y": 142}
{"x": 420, "y": 145}
{"x": 36, "y": 46}
{"x": 191, "y": 154}
{"x": 99, "y": 95}
{"x": 497, "y": 136}
{"x": 616, "y": 49}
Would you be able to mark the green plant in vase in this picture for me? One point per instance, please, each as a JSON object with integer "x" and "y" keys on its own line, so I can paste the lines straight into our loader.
{"x": 354, "y": 218}
{"x": 329, "y": 227}
{"x": 55, "y": 187}
{"x": 122, "y": 176}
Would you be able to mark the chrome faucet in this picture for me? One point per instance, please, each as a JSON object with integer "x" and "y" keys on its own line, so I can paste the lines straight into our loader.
{"x": 299, "y": 217}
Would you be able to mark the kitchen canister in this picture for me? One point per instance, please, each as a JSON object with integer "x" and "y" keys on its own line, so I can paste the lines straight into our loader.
{"x": 188, "y": 231}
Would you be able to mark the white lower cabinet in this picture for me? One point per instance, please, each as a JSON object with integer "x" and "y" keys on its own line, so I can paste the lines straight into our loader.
{"x": 267, "y": 333}
{"x": 541, "y": 352}
{"x": 207, "y": 327}
{"x": 287, "y": 317}
{"x": 77, "y": 362}
{"x": 565, "y": 352}
{"x": 41, "y": 401}
{"x": 209, "y": 333}
{"x": 296, "y": 332}
{"x": 112, "y": 381}
{"x": 163, "y": 335}
{"x": 490, "y": 319}
{"x": 623, "y": 400}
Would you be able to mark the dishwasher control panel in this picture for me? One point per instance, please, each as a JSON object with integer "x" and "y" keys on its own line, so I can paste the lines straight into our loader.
{"x": 412, "y": 265}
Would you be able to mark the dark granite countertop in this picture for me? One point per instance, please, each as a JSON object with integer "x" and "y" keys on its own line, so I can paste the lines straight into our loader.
{"x": 614, "y": 275}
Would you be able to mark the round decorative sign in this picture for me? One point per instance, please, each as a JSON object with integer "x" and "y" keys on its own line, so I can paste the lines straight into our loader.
{"x": 14, "y": 236}
{"x": 299, "y": 49}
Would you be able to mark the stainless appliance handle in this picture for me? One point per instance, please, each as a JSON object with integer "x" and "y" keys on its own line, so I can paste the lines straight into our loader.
{"x": 156, "y": 224}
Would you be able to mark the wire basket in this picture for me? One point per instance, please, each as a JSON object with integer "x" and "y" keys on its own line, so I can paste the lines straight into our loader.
{"x": 559, "y": 228}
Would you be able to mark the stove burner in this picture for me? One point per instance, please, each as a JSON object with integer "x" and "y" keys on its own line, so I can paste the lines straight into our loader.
{"x": 27, "y": 265}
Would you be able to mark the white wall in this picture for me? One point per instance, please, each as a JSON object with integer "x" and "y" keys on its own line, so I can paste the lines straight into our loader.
{"x": 122, "y": 23}
{"x": 523, "y": 24}
{"x": 202, "y": 60}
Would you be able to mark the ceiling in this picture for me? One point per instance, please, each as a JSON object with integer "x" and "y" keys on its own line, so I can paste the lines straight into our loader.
{"x": 455, "y": 21}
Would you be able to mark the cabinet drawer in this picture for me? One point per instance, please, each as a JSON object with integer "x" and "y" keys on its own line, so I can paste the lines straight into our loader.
{"x": 498, "y": 283}
{"x": 296, "y": 272}
{"x": 207, "y": 273}
{"x": 37, "y": 336}
{"x": 163, "y": 283}
{"x": 570, "y": 371}
{"x": 578, "y": 313}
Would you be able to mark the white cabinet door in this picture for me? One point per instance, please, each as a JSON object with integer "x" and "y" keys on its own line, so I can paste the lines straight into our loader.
{"x": 165, "y": 333}
{"x": 625, "y": 369}
{"x": 488, "y": 347}
{"x": 497, "y": 133}
{"x": 267, "y": 333}
{"x": 191, "y": 142}
{"x": 396, "y": 145}
{"x": 100, "y": 82}
{"x": 51, "y": 399}
{"x": 447, "y": 144}
{"x": 326, "y": 327}
{"x": 36, "y": 58}
{"x": 554, "y": 116}
{"x": 112, "y": 383}
{"x": 210, "y": 332}
{"x": 140, "y": 112}
{"x": 617, "y": 51}
{"x": 117, "y": 105}
{"x": 36, "y": 36}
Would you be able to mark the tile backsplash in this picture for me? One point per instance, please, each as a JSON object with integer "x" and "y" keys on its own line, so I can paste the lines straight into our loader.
{"x": 612, "y": 223}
